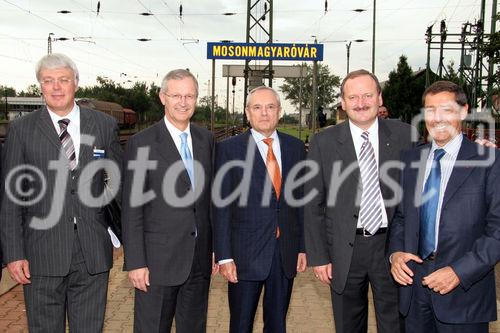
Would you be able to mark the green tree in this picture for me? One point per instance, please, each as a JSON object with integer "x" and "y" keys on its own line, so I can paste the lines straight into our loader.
{"x": 7, "y": 91}
{"x": 402, "y": 93}
{"x": 327, "y": 83}
{"x": 32, "y": 91}
{"x": 141, "y": 98}
{"x": 451, "y": 73}
{"x": 203, "y": 112}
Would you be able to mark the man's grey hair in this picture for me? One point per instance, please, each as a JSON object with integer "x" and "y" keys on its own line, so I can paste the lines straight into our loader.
{"x": 55, "y": 61}
{"x": 253, "y": 91}
{"x": 178, "y": 74}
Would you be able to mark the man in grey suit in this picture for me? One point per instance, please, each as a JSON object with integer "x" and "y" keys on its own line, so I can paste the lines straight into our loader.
{"x": 347, "y": 222}
{"x": 167, "y": 231}
{"x": 54, "y": 238}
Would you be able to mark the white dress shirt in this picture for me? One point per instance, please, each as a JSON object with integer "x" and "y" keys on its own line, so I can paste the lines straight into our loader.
{"x": 175, "y": 133}
{"x": 358, "y": 142}
{"x": 447, "y": 162}
{"x": 263, "y": 147}
{"x": 73, "y": 126}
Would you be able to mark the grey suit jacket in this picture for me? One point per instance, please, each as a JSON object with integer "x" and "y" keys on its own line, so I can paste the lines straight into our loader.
{"x": 331, "y": 217}
{"x": 157, "y": 234}
{"x": 32, "y": 141}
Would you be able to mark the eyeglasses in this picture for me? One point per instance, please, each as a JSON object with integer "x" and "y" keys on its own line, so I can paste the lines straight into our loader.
{"x": 178, "y": 97}
{"x": 64, "y": 81}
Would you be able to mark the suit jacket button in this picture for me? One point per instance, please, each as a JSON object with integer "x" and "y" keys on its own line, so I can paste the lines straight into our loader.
{"x": 351, "y": 244}
{"x": 193, "y": 233}
{"x": 355, "y": 216}
{"x": 73, "y": 191}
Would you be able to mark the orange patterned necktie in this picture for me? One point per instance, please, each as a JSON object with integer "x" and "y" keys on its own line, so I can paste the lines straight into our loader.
{"x": 273, "y": 169}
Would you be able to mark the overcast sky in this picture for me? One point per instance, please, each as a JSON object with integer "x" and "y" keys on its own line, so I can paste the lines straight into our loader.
{"x": 106, "y": 44}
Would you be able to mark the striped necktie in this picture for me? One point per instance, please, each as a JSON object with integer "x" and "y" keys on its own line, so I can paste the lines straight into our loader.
{"x": 370, "y": 212}
{"x": 67, "y": 143}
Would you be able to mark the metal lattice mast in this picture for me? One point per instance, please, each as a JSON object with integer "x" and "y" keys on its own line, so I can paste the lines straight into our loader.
{"x": 473, "y": 59}
{"x": 259, "y": 30}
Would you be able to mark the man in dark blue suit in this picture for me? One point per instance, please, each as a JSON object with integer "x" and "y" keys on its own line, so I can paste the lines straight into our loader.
{"x": 258, "y": 236}
{"x": 445, "y": 237}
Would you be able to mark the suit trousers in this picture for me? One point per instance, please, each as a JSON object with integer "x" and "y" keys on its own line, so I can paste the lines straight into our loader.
{"x": 244, "y": 299}
{"x": 368, "y": 267}
{"x": 79, "y": 294}
{"x": 155, "y": 309}
{"x": 421, "y": 317}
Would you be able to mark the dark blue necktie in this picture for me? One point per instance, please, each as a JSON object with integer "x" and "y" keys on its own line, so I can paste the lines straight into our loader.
{"x": 428, "y": 210}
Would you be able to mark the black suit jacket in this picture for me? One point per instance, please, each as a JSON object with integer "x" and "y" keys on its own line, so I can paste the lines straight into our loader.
{"x": 160, "y": 234}
{"x": 469, "y": 231}
{"x": 247, "y": 232}
{"x": 32, "y": 140}
{"x": 331, "y": 217}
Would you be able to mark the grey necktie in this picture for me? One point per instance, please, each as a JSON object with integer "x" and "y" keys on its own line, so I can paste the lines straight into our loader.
{"x": 370, "y": 212}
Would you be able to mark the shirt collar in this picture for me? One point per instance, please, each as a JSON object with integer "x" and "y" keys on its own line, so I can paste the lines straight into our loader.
{"x": 174, "y": 131}
{"x": 73, "y": 115}
{"x": 451, "y": 148}
{"x": 356, "y": 131}
{"x": 258, "y": 137}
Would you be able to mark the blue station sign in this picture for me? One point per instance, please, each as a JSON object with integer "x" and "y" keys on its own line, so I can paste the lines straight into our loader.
{"x": 263, "y": 51}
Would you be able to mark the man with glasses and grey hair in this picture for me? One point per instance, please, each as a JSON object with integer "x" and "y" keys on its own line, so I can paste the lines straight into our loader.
{"x": 54, "y": 244}
{"x": 166, "y": 214}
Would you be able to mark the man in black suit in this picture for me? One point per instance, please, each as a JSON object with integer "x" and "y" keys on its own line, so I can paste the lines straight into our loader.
{"x": 167, "y": 232}
{"x": 259, "y": 242}
{"x": 347, "y": 222}
{"x": 54, "y": 238}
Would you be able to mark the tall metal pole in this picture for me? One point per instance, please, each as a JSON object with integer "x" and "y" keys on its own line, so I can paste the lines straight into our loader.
{"x": 373, "y": 38}
{"x": 6, "y": 104}
{"x": 271, "y": 41}
{"x": 461, "y": 68}
{"x": 442, "y": 30}
{"x": 314, "y": 94}
{"x": 49, "y": 43}
{"x": 489, "y": 88}
{"x": 212, "y": 115}
{"x": 301, "y": 82}
{"x": 348, "y": 46}
{"x": 247, "y": 63}
{"x": 234, "y": 117}
{"x": 428, "y": 64}
{"x": 227, "y": 105}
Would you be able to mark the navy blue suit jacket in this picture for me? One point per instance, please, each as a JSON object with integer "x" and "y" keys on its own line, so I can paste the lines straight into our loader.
{"x": 469, "y": 232}
{"x": 247, "y": 232}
